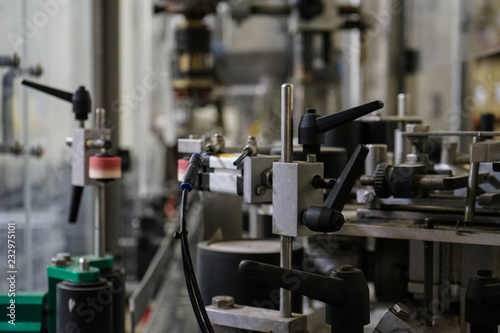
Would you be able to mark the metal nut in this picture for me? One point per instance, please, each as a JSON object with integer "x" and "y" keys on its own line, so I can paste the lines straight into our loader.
{"x": 401, "y": 310}
{"x": 223, "y": 302}
{"x": 347, "y": 268}
{"x": 58, "y": 262}
{"x": 65, "y": 255}
{"x": 415, "y": 128}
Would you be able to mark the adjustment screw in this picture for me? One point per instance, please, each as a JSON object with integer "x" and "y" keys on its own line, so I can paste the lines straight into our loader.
{"x": 84, "y": 264}
{"x": 223, "y": 302}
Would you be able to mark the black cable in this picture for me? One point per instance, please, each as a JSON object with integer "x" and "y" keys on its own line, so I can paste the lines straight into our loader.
{"x": 189, "y": 274}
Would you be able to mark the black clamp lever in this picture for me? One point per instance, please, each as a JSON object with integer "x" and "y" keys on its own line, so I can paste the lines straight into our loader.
{"x": 345, "y": 291}
{"x": 312, "y": 128}
{"x": 82, "y": 104}
{"x": 80, "y": 98}
{"x": 328, "y": 218}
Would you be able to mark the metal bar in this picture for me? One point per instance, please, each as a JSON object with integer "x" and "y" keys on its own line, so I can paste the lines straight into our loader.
{"x": 428, "y": 282}
{"x": 286, "y": 123}
{"x": 470, "y": 203}
{"x": 99, "y": 217}
{"x": 454, "y": 133}
{"x": 286, "y": 157}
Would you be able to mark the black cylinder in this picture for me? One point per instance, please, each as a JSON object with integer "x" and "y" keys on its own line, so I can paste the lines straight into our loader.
{"x": 84, "y": 307}
{"x": 218, "y": 273}
{"x": 116, "y": 277}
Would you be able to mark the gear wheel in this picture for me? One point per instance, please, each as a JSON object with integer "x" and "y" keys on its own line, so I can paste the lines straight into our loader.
{"x": 382, "y": 180}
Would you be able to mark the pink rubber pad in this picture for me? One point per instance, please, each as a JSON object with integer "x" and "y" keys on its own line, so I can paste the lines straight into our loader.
{"x": 105, "y": 167}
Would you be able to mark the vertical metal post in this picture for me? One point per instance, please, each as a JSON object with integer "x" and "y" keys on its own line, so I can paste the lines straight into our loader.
{"x": 286, "y": 157}
{"x": 471, "y": 190}
{"x": 429, "y": 277}
{"x": 99, "y": 227}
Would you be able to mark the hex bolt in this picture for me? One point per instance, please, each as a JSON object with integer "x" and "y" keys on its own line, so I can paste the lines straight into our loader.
{"x": 347, "y": 268}
{"x": 401, "y": 310}
{"x": 65, "y": 255}
{"x": 58, "y": 262}
{"x": 260, "y": 190}
{"x": 223, "y": 302}
{"x": 84, "y": 264}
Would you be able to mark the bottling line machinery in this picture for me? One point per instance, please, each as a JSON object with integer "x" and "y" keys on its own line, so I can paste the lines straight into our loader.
{"x": 366, "y": 221}
{"x": 414, "y": 199}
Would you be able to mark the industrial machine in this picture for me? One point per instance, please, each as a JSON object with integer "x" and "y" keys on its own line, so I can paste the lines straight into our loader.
{"x": 373, "y": 219}
{"x": 87, "y": 292}
{"x": 414, "y": 195}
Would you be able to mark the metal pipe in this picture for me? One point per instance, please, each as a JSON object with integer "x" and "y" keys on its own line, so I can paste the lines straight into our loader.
{"x": 99, "y": 216}
{"x": 8, "y": 61}
{"x": 471, "y": 189}
{"x": 100, "y": 118}
{"x": 286, "y": 157}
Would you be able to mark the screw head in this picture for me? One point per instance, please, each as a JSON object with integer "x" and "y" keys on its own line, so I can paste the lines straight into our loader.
{"x": 369, "y": 196}
{"x": 223, "y": 302}
{"x": 84, "y": 264}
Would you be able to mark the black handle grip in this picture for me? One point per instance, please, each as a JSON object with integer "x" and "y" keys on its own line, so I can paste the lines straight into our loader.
{"x": 76, "y": 197}
{"x": 323, "y": 288}
{"x": 331, "y": 121}
{"x": 328, "y": 218}
{"x": 80, "y": 99}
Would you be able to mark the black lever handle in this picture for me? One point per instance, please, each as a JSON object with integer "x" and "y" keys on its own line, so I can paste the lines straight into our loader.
{"x": 312, "y": 128}
{"x": 345, "y": 291}
{"x": 80, "y": 98}
{"x": 331, "y": 121}
{"x": 320, "y": 287}
{"x": 328, "y": 218}
{"x": 76, "y": 197}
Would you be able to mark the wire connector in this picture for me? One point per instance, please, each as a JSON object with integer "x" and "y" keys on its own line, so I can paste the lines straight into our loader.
{"x": 195, "y": 163}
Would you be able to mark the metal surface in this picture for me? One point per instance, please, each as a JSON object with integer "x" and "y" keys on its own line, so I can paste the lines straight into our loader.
{"x": 191, "y": 145}
{"x": 99, "y": 218}
{"x": 488, "y": 151}
{"x": 80, "y": 155}
{"x": 294, "y": 193}
{"x": 254, "y": 191}
{"x": 408, "y": 226}
{"x": 140, "y": 298}
{"x": 256, "y": 319}
{"x": 454, "y": 133}
{"x": 376, "y": 155}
